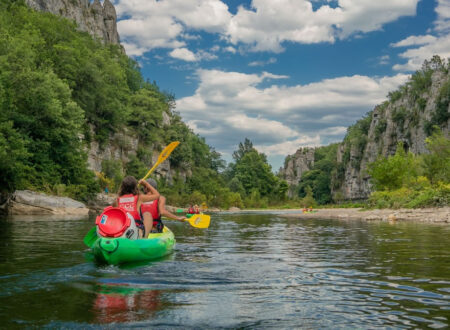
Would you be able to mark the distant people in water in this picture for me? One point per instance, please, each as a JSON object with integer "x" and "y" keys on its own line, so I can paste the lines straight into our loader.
{"x": 193, "y": 209}
{"x": 308, "y": 209}
{"x": 196, "y": 209}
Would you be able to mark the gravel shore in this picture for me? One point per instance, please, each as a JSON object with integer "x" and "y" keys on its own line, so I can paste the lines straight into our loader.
{"x": 434, "y": 215}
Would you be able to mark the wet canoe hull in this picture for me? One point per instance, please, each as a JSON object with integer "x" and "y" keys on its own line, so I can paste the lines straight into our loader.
{"x": 115, "y": 251}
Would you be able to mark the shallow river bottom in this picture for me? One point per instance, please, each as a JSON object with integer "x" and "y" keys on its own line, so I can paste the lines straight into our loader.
{"x": 245, "y": 271}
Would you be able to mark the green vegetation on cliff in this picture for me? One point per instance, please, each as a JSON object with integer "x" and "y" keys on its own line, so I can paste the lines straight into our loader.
{"x": 316, "y": 183}
{"x": 61, "y": 90}
{"x": 40, "y": 119}
{"x": 408, "y": 180}
{"x": 409, "y": 114}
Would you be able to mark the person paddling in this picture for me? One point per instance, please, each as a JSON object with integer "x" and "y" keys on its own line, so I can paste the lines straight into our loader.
{"x": 196, "y": 209}
{"x": 130, "y": 200}
{"x": 156, "y": 209}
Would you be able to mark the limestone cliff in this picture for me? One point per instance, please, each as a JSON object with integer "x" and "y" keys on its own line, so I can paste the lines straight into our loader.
{"x": 96, "y": 19}
{"x": 122, "y": 146}
{"x": 408, "y": 116}
{"x": 295, "y": 165}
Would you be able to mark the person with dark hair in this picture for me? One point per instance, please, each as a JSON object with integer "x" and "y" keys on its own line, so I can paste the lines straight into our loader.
{"x": 156, "y": 209}
{"x": 130, "y": 200}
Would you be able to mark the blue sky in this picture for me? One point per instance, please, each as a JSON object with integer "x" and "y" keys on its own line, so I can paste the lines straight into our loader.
{"x": 284, "y": 73}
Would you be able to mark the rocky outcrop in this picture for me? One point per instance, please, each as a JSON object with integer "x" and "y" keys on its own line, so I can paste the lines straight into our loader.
{"x": 406, "y": 117}
{"x": 26, "y": 202}
{"x": 295, "y": 165}
{"x": 96, "y": 19}
{"x": 122, "y": 146}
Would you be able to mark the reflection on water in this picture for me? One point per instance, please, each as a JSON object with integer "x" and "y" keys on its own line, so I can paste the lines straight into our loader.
{"x": 121, "y": 303}
{"x": 246, "y": 270}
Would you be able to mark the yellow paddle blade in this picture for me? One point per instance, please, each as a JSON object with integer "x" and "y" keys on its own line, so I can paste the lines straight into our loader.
{"x": 199, "y": 220}
{"x": 162, "y": 157}
{"x": 167, "y": 151}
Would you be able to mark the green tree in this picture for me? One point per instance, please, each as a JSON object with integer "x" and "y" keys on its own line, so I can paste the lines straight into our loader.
{"x": 254, "y": 172}
{"x": 308, "y": 200}
{"x": 395, "y": 171}
{"x": 437, "y": 162}
{"x": 243, "y": 148}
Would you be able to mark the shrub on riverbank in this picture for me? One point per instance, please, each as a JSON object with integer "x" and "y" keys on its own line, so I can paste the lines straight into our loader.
{"x": 404, "y": 197}
{"x": 413, "y": 181}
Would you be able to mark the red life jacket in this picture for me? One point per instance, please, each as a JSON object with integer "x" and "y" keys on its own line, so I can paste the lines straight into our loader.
{"x": 152, "y": 207}
{"x": 129, "y": 204}
{"x": 191, "y": 210}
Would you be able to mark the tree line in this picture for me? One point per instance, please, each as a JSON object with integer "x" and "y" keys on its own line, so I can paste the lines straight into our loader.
{"x": 60, "y": 90}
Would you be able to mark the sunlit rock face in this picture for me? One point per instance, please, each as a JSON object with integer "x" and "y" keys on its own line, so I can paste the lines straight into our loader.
{"x": 99, "y": 20}
{"x": 404, "y": 119}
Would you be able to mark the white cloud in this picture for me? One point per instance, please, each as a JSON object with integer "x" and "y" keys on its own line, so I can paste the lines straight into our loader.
{"x": 263, "y": 63}
{"x": 133, "y": 49}
{"x": 369, "y": 15}
{"x": 159, "y": 32}
{"x": 188, "y": 56}
{"x": 232, "y": 106}
{"x": 230, "y": 49}
{"x": 442, "y": 23}
{"x": 265, "y": 26}
{"x": 384, "y": 60}
{"x": 256, "y": 126}
{"x": 416, "y": 56}
{"x": 428, "y": 45}
{"x": 215, "y": 48}
{"x": 333, "y": 131}
{"x": 289, "y": 147}
{"x": 150, "y": 24}
{"x": 415, "y": 41}
{"x": 204, "y": 55}
{"x": 183, "y": 54}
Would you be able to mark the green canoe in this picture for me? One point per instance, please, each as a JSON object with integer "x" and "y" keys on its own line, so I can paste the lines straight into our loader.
{"x": 115, "y": 251}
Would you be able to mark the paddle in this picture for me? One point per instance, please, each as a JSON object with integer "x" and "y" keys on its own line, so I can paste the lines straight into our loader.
{"x": 162, "y": 157}
{"x": 199, "y": 220}
{"x": 91, "y": 236}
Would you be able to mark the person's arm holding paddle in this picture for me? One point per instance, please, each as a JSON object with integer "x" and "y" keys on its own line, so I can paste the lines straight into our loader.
{"x": 164, "y": 212}
{"x": 151, "y": 194}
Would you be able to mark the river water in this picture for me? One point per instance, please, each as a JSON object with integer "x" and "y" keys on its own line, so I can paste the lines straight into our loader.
{"x": 245, "y": 271}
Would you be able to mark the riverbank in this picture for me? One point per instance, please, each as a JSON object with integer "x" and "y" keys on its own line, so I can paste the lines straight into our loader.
{"x": 430, "y": 215}
{"x": 32, "y": 204}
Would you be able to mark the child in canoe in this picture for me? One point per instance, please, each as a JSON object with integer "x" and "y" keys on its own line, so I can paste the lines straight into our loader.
{"x": 130, "y": 200}
{"x": 156, "y": 209}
